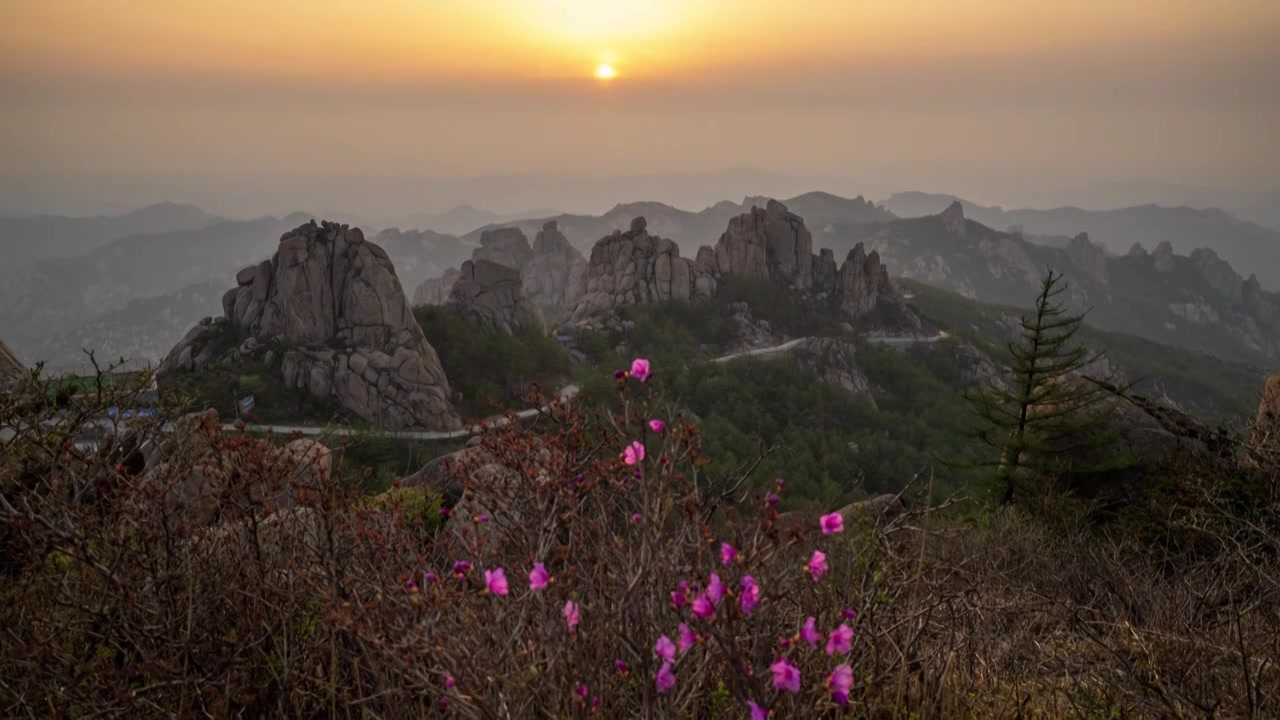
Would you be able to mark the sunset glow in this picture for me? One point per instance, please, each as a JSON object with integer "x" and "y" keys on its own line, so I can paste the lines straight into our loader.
{"x": 606, "y": 72}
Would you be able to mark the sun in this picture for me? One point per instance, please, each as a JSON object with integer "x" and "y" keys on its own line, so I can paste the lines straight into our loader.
{"x": 605, "y": 71}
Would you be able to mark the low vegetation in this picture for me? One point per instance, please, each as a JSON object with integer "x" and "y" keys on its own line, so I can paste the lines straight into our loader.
{"x": 615, "y": 569}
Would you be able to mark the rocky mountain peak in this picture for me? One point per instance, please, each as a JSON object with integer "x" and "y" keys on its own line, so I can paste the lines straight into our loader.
{"x": 333, "y": 299}
{"x": 1219, "y": 274}
{"x": 767, "y": 243}
{"x": 635, "y": 268}
{"x": 1089, "y": 257}
{"x": 953, "y": 218}
{"x": 1137, "y": 251}
{"x": 1164, "y": 256}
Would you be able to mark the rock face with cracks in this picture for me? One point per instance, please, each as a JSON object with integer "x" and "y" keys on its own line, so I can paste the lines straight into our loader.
{"x": 334, "y": 302}
{"x": 493, "y": 294}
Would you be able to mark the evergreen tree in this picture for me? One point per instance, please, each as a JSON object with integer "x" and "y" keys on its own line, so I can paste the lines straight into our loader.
{"x": 1051, "y": 417}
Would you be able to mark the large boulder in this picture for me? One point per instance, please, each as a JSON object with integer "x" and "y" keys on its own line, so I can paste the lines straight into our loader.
{"x": 831, "y": 361}
{"x": 555, "y": 271}
{"x": 504, "y": 246}
{"x": 635, "y": 268}
{"x": 1089, "y": 257}
{"x": 772, "y": 243}
{"x": 334, "y": 302}
{"x": 493, "y": 294}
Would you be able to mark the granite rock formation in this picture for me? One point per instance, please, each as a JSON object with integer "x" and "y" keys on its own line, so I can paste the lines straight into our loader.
{"x": 435, "y": 291}
{"x": 831, "y": 361}
{"x": 1163, "y": 256}
{"x": 504, "y": 246}
{"x": 555, "y": 271}
{"x": 1089, "y": 257}
{"x": 334, "y": 304}
{"x": 1265, "y": 443}
{"x": 768, "y": 243}
{"x": 492, "y": 293}
{"x": 635, "y": 268}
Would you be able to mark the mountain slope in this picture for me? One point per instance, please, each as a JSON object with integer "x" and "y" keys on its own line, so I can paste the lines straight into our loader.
{"x": 57, "y": 296}
{"x": 29, "y": 239}
{"x": 1241, "y": 243}
{"x": 1195, "y": 301}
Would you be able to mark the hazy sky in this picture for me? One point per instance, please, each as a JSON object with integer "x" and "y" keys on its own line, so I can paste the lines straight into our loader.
{"x": 247, "y": 104}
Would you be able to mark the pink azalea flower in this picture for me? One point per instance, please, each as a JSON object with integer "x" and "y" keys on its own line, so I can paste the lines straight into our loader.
{"x": 640, "y": 369}
{"x": 538, "y": 577}
{"x": 678, "y": 597}
{"x": 840, "y": 683}
{"x": 633, "y": 453}
{"x": 665, "y": 649}
{"x": 727, "y": 554}
{"x": 785, "y": 675}
{"x": 636, "y": 517}
{"x": 818, "y": 565}
{"x": 840, "y": 641}
{"x": 583, "y": 691}
{"x": 620, "y": 667}
{"x": 685, "y": 639}
{"x": 715, "y": 589}
{"x": 849, "y": 613}
{"x": 410, "y": 585}
{"x": 449, "y": 682}
{"x": 757, "y": 712}
{"x": 809, "y": 633}
{"x": 461, "y": 568}
{"x": 496, "y": 581}
{"x": 429, "y": 577}
{"x": 657, "y": 425}
{"x": 481, "y": 518}
{"x": 750, "y": 597}
{"x": 831, "y": 523}
{"x": 665, "y": 678}
{"x": 571, "y": 616}
{"x": 703, "y": 608}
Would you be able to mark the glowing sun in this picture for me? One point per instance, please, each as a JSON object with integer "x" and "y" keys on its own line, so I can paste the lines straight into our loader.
{"x": 605, "y": 71}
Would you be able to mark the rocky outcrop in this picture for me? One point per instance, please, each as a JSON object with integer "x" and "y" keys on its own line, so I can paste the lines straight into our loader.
{"x": 1219, "y": 274}
{"x": 863, "y": 283}
{"x": 1265, "y": 443}
{"x": 10, "y": 366}
{"x": 1137, "y": 251}
{"x": 770, "y": 243}
{"x": 1163, "y": 256}
{"x": 831, "y": 361}
{"x": 493, "y": 294}
{"x": 636, "y": 268}
{"x": 1089, "y": 257}
{"x": 333, "y": 303}
{"x": 434, "y": 291}
{"x": 555, "y": 271}
{"x": 825, "y": 270}
{"x": 504, "y": 246}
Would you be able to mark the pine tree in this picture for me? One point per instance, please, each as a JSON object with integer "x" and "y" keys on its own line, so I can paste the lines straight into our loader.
{"x": 1051, "y": 417}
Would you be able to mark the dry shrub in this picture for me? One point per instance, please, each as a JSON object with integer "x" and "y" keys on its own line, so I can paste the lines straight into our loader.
{"x": 299, "y": 600}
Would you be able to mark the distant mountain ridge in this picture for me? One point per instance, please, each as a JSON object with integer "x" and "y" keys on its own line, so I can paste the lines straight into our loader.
{"x": 31, "y": 238}
{"x": 692, "y": 229}
{"x": 1196, "y": 300}
{"x": 1243, "y": 244}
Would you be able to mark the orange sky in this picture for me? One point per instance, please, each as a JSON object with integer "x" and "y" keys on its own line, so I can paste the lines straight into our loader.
{"x": 1177, "y": 90}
